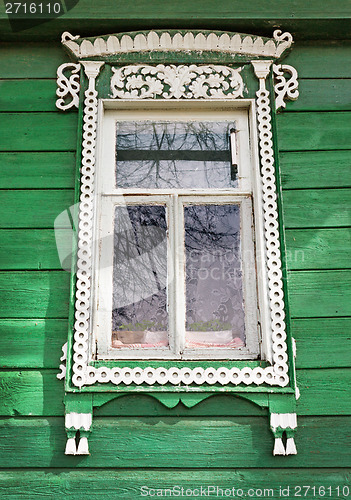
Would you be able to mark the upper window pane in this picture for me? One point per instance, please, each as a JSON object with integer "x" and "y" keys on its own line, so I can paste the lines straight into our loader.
{"x": 166, "y": 155}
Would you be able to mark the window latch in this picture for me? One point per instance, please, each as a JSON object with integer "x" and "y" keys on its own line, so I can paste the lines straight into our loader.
{"x": 234, "y": 155}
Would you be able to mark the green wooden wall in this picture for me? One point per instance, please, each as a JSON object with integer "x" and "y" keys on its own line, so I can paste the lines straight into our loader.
{"x": 136, "y": 441}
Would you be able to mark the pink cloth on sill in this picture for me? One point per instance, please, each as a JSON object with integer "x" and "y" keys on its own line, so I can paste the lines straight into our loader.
{"x": 234, "y": 343}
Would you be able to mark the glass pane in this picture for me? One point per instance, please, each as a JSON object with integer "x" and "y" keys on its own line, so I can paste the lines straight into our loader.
{"x": 214, "y": 295}
{"x": 174, "y": 155}
{"x": 140, "y": 312}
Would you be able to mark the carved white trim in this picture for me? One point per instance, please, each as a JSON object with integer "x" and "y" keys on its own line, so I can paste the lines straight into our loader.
{"x": 68, "y": 87}
{"x": 271, "y": 223}
{"x": 285, "y": 88}
{"x": 62, "y": 367}
{"x": 283, "y": 420}
{"x": 83, "y": 283}
{"x": 83, "y": 374}
{"x": 185, "y": 376}
{"x": 189, "y": 82}
{"x": 78, "y": 421}
{"x": 165, "y": 41}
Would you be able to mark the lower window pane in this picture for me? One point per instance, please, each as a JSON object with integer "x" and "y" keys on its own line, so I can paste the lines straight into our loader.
{"x": 214, "y": 294}
{"x": 140, "y": 312}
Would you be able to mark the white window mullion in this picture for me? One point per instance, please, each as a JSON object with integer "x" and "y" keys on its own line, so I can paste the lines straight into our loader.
{"x": 179, "y": 275}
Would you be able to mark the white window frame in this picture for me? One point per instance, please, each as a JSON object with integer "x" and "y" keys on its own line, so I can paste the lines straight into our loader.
{"x": 255, "y": 289}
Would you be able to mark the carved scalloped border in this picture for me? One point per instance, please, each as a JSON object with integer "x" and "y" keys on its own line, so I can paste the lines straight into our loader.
{"x": 165, "y": 41}
{"x": 83, "y": 374}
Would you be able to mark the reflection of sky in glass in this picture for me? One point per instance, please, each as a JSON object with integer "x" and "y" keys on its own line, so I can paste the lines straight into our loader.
{"x": 139, "y": 311}
{"x": 174, "y": 155}
{"x": 214, "y": 297}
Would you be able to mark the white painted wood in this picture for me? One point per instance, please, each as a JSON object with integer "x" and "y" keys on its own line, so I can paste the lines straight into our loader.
{"x": 68, "y": 87}
{"x": 250, "y": 182}
{"x": 180, "y": 111}
{"x": 142, "y": 81}
{"x": 285, "y": 88}
{"x": 232, "y": 43}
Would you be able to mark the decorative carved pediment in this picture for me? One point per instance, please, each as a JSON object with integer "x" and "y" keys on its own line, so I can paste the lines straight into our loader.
{"x": 235, "y": 44}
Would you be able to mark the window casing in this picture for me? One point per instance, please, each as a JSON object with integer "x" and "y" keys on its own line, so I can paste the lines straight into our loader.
{"x": 244, "y": 197}
{"x": 136, "y": 76}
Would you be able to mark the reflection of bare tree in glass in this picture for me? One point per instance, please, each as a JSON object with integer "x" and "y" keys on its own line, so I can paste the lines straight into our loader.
{"x": 173, "y": 155}
{"x": 140, "y": 269}
{"x": 214, "y": 299}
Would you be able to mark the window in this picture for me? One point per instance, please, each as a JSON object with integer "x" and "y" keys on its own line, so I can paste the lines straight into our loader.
{"x": 175, "y": 240}
{"x": 179, "y": 289}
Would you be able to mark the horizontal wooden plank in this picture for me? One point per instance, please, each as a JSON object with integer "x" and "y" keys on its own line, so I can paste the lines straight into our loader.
{"x": 32, "y": 343}
{"x": 175, "y": 443}
{"x": 302, "y": 208}
{"x": 298, "y": 169}
{"x": 204, "y": 10}
{"x": 314, "y": 294}
{"x": 317, "y": 208}
{"x": 322, "y": 95}
{"x": 320, "y": 59}
{"x": 36, "y": 343}
{"x": 309, "y": 131}
{"x": 318, "y": 248}
{"x": 34, "y": 294}
{"x": 330, "y": 28}
{"x": 33, "y": 209}
{"x": 31, "y": 393}
{"x": 129, "y": 484}
{"x": 324, "y": 392}
{"x": 37, "y": 170}
{"x": 38, "y": 131}
{"x": 29, "y": 249}
{"x": 31, "y": 60}
{"x": 322, "y": 342}
{"x": 26, "y": 95}
{"x": 40, "y": 393}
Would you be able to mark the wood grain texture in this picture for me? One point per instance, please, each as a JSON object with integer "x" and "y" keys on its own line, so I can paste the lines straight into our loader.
{"x": 321, "y": 59}
{"x": 31, "y": 393}
{"x": 139, "y": 17}
{"x": 40, "y": 393}
{"x": 31, "y": 60}
{"x": 32, "y": 343}
{"x": 315, "y": 169}
{"x": 41, "y": 294}
{"x": 324, "y": 392}
{"x": 317, "y": 208}
{"x": 206, "y": 10}
{"x": 243, "y": 442}
{"x": 35, "y": 249}
{"x": 36, "y": 343}
{"x": 28, "y": 95}
{"x": 319, "y": 293}
{"x": 322, "y": 95}
{"x": 318, "y": 248}
{"x": 37, "y": 170}
{"x": 38, "y": 131}
{"x": 126, "y": 485}
{"x": 322, "y": 342}
{"x": 306, "y": 131}
{"x": 33, "y": 208}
